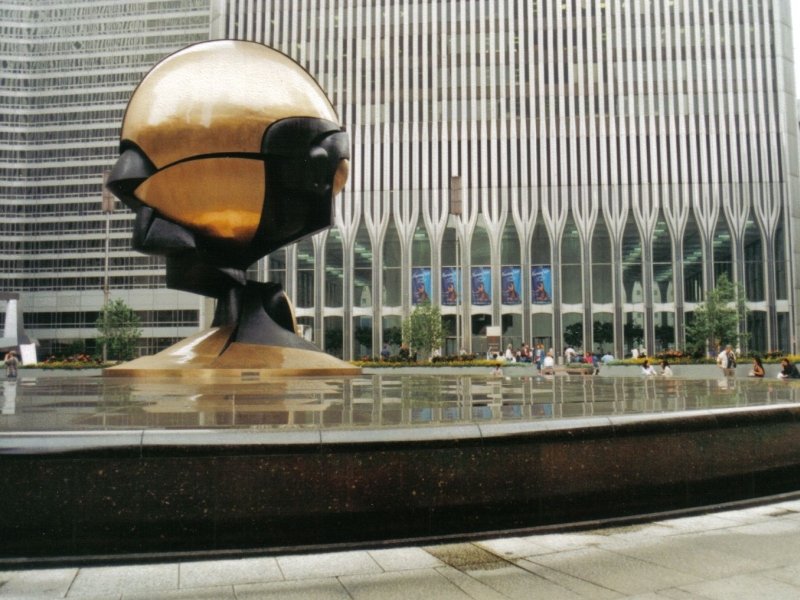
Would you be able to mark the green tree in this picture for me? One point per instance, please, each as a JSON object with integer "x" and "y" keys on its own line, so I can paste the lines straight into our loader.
{"x": 393, "y": 335}
{"x": 603, "y": 333}
{"x": 573, "y": 335}
{"x": 422, "y": 330}
{"x": 119, "y": 330}
{"x": 716, "y": 321}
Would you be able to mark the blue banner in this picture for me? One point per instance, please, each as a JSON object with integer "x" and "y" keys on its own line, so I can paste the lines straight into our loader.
{"x": 541, "y": 285}
{"x": 512, "y": 284}
{"x": 420, "y": 285}
{"x": 481, "y": 286}
{"x": 451, "y": 286}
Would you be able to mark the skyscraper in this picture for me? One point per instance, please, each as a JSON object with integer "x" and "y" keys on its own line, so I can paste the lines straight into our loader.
{"x": 574, "y": 172}
{"x": 68, "y": 70}
{"x": 618, "y": 157}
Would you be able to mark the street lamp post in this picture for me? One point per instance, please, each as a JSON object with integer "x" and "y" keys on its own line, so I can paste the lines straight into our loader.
{"x": 107, "y": 205}
{"x": 456, "y": 195}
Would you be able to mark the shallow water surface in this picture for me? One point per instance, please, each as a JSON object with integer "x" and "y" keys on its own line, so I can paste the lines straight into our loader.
{"x": 97, "y": 403}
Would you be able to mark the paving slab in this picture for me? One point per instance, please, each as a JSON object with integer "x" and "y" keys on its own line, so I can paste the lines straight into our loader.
{"x": 403, "y": 559}
{"x": 125, "y": 579}
{"x": 516, "y": 583}
{"x": 615, "y": 571}
{"x": 317, "y": 589}
{"x": 221, "y": 572}
{"x": 45, "y": 582}
{"x": 425, "y": 584}
{"x": 580, "y": 586}
{"x": 207, "y": 593}
{"x": 316, "y": 566}
{"x": 515, "y": 547}
{"x": 469, "y": 585}
{"x": 745, "y": 587}
{"x": 765, "y": 547}
{"x": 681, "y": 553}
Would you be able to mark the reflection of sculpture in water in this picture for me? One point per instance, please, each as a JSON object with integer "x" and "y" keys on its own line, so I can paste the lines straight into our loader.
{"x": 229, "y": 151}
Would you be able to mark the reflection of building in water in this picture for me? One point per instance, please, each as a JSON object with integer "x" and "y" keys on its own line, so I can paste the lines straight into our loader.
{"x": 658, "y": 152}
{"x": 9, "y": 400}
{"x": 370, "y": 402}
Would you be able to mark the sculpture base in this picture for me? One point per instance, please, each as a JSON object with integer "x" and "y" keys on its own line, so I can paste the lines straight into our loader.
{"x": 209, "y": 355}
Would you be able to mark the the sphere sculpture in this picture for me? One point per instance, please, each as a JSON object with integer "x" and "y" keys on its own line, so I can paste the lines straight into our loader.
{"x": 230, "y": 150}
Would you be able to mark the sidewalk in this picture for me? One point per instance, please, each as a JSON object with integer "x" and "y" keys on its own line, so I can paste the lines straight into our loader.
{"x": 742, "y": 554}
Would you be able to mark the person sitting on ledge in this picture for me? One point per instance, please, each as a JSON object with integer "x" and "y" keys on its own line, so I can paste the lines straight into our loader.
{"x": 647, "y": 368}
{"x": 758, "y": 368}
{"x": 788, "y": 370}
{"x": 666, "y": 370}
{"x": 549, "y": 364}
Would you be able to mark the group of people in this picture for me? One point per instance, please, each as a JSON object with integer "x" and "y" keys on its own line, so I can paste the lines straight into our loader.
{"x": 648, "y": 369}
{"x": 544, "y": 360}
{"x": 788, "y": 369}
{"x": 726, "y": 360}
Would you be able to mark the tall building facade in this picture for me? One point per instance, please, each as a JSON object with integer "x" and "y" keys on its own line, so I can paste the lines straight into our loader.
{"x": 576, "y": 172}
{"x": 68, "y": 70}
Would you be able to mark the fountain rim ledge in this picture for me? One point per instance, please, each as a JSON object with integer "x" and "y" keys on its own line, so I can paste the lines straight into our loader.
{"x": 139, "y": 440}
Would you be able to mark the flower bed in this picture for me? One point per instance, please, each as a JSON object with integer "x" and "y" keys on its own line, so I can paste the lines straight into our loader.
{"x": 72, "y": 363}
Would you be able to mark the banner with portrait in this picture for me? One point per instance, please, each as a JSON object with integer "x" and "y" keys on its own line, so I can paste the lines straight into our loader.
{"x": 512, "y": 285}
{"x": 481, "y": 286}
{"x": 541, "y": 284}
{"x": 451, "y": 286}
{"x": 420, "y": 285}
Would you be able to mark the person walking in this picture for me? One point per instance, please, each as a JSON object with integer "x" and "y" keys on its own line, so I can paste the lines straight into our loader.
{"x": 11, "y": 362}
{"x": 730, "y": 361}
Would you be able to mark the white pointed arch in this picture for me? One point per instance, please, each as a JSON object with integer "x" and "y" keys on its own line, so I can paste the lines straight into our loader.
{"x": 616, "y": 205}
{"x": 584, "y": 212}
{"x": 675, "y": 204}
{"x": 645, "y": 211}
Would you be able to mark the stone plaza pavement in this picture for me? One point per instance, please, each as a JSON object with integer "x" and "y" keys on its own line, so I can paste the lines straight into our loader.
{"x": 747, "y": 553}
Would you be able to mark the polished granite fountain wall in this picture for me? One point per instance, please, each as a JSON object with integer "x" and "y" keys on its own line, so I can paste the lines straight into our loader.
{"x": 90, "y": 467}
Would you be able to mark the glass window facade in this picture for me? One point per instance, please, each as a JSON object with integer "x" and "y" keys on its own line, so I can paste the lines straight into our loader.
{"x": 555, "y": 163}
{"x": 68, "y": 70}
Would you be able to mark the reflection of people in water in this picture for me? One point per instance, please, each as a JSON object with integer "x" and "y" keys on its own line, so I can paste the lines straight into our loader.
{"x": 540, "y": 294}
{"x": 479, "y": 294}
{"x": 511, "y": 293}
{"x": 450, "y": 296}
{"x": 422, "y": 293}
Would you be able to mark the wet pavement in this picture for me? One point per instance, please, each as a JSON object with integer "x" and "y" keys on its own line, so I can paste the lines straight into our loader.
{"x": 745, "y": 553}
